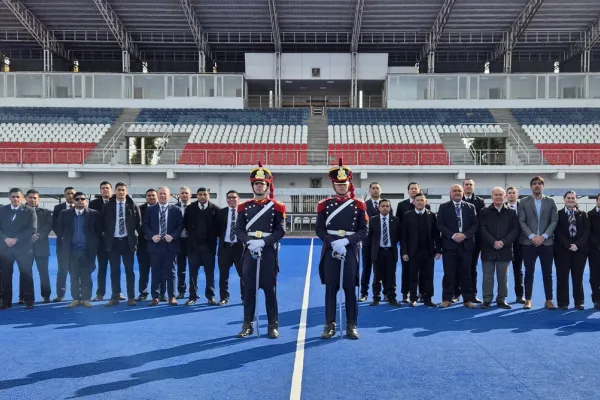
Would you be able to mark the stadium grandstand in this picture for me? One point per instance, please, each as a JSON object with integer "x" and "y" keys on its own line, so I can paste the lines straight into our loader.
{"x": 196, "y": 93}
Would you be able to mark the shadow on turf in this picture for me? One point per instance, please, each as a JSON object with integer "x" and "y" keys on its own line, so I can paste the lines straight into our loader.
{"x": 67, "y": 318}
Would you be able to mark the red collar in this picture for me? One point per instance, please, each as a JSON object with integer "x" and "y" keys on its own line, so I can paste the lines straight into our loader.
{"x": 263, "y": 201}
{"x": 342, "y": 199}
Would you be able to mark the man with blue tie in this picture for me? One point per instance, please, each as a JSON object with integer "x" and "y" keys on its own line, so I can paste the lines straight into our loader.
{"x": 163, "y": 224}
{"x": 457, "y": 222}
{"x": 230, "y": 249}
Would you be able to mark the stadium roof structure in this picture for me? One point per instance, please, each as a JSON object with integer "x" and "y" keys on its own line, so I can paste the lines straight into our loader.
{"x": 458, "y": 30}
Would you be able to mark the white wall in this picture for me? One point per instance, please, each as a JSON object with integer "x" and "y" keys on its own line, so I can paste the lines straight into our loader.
{"x": 260, "y": 66}
{"x": 179, "y": 102}
{"x": 299, "y": 65}
{"x": 372, "y": 66}
{"x": 539, "y": 103}
{"x": 403, "y": 70}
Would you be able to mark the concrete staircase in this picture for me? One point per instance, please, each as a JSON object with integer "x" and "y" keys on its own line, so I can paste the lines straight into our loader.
{"x": 95, "y": 157}
{"x": 174, "y": 148}
{"x": 457, "y": 150}
{"x": 318, "y": 141}
{"x": 534, "y": 155}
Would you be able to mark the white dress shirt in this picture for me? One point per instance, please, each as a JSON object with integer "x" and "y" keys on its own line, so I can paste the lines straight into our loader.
{"x": 514, "y": 206}
{"x": 182, "y": 208}
{"x": 117, "y": 221}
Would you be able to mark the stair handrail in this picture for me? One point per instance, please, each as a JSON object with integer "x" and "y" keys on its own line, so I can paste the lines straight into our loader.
{"x": 470, "y": 149}
{"x": 521, "y": 146}
{"x": 110, "y": 146}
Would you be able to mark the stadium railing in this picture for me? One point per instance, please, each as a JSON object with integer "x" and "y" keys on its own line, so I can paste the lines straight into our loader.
{"x": 265, "y": 101}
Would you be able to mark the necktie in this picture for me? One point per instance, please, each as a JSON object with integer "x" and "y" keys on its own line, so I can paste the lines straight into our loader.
{"x": 572, "y": 223}
{"x": 232, "y": 227}
{"x": 121, "y": 220}
{"x": 376, "y": 205}
{"x": 163, "y": 221}
{"x": 385, "y": 232}
{"x": 458, "y": 219}
{"x": 13, "y": 214}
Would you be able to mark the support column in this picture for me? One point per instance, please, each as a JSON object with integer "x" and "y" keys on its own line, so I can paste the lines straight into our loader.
{"x": 586, "y": 56}
{"x": 126, "y": 62}
{"x": 431, "y": 62}
{"x": 201, "y": 62}
{"x": 508, "y": 62}
{"x": 354, "y": 82}
{"x": 278, "y": 100}
{"x": 48, "y": 61}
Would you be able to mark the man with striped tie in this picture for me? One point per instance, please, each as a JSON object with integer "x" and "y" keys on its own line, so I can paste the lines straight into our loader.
{"x": 230, "y": 249}
{"x": 120, "y": 223}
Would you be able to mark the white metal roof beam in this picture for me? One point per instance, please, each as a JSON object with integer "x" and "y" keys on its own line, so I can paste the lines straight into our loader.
{"x": 194, "y": 22}
{"x": 589, "y": 38}
{"x": 37, "y": 30}
{"x": 438, "y": 28}
{"x": 275, "y": 26}
{"x": 118, "y": 29}
{"x": 358, "y": 14}
{"x": 517, "y": 28}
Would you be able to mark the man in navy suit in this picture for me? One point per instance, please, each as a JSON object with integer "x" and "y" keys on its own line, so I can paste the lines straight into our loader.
{"x": 63, "y": 270}
{"x": 163, "y": 224}
{"x": 457, "y": 221}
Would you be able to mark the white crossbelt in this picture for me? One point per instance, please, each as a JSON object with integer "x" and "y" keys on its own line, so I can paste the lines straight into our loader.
{"x": 259, "y": 214}
{"x": 341, "y": 233}
{"x": 337, "y": 211}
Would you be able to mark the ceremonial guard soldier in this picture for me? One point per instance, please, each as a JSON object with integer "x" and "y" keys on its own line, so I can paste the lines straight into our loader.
{"x": 260, "y": 226}
{"x": 342, "y": 223}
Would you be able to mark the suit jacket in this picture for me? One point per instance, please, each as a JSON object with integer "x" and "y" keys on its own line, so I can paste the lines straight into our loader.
{"x": 97, "y": 204}
{"x": 528, "y": 220}
{"x": 142, "y": 239}
{"x": 65, "y": 232}
{"x": 201, "y": 226}
{"x": 448, "y": 225}
{"x": 22, "y": 228}
{"x": 41, "y": 247}
{"x": 55, "y": 214}
{"x": 409, "y": 231}
{"x": 516, "y": 244}
{"x": 222, "y": 218}
{"x": 374, "y": 235}
{"x": 479, "y": 204}
{"x": 152, "y": 228}
{"x": 109, "y": 221}
{"x": 562, "y": 237}
{"x": 594, "y": 221}
{"x": 498, "y": 226}
{"x": 371, "y": 212}
{"x": 405, "y": 206}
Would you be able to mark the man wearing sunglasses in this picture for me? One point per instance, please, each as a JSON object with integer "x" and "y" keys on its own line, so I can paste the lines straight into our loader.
{"x": 79, "y": 229}
{"x": 18, "y": 223}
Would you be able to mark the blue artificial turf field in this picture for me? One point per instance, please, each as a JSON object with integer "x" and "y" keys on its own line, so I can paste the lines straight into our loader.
{"x": 53, "y": 352}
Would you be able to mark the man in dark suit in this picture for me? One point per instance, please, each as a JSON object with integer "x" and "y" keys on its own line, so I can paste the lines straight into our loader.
{"x": 404, "y": 207}
{"x": 79, "y": 229}
{"x": 41, "y": 244}
{"x": 512, "y": 201}
{"x": 479, "y": 203}
{"x": 538, "y": 219}
{"x": 182, "y": 258}
{"x": 499, "y": 229}
{"x": 230, "y": 249}
{"x": 200, "y": 222}
{"x": 457, "y": 222}
{"x": 383, "y": 243}
{"x": 163, "y": 224}
{"x": 63, "y": 270}
{"x": 594, "y": 254}
{"x": 420, "y": 245}
{"x": 106, "y": 192}
{"x": 142, "y": 249}
{"x": 18, "y": 223}
{"x": 367, "y": 263}
{"x": 120, "y": 223}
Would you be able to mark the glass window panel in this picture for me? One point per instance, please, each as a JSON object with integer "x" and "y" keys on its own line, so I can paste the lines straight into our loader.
{"x": 107, "y": 86}
{"x": 523, "y": 86}
{"x": 149, "y": 86}
{"x": 29, "y": 85}
{"x": 446, "y": 87}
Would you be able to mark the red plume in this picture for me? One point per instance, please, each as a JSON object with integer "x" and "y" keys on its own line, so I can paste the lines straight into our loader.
{"x": 341, "y": 163}
{"x": 260, "y": 165}
{"x": 351, "y": 190}
{"x": 272, "y": 191}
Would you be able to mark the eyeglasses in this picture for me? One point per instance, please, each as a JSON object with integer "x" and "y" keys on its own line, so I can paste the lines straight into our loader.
{"x": 231, "y": 197}
{"x": 80, "y": 199}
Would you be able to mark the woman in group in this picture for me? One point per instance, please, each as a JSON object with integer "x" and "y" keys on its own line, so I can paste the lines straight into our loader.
{"x": 570, "y": 251}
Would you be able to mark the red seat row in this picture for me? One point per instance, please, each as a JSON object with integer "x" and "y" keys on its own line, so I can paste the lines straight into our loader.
{"x": 44, "y": 153}
{"x": 238, "y": 154}
{"x": 386, "y": 155}
{"x": 571, "y": 154}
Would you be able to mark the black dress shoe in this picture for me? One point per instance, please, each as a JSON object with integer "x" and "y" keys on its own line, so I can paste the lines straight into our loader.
{"x": 247, "y": 330}
{"x": 29, "y": 305}
{"x": 222, "y": 302}
{"x": 521, "y": 300}
{"x": 328, "y": 331}
{"x": 404, "y": 299}
{"x": 486, "y": 304}
{"x": 163, "y": 298}
{"x": 180, "y": 296}
{"x": 374, "y": 303}
{"x": 429, "y": 303}
{"x": 504, "y": 304}
{"x": 190, "y": 302}
{"x": 580, "y": 307}
{"x": 352, "y": 331}
{"x": 273, "y": 331}
{"x": 455, "y": 299}
{"x": 476, "y": 300}
{"x": 212, "y": 301}
{"x": 142, "y": 297}
{"x": 5, "y": 306}
{"x": 363, "y": 298}
{"x": 21, "y": 301}
{"x": 394, "y": 302}
{"x": 58, "y": 299}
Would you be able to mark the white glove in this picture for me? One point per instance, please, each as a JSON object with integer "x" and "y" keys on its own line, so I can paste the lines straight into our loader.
{"x": 344, "y": 242}
{"x": 255, "y": 244}
{"x": 338, "y": 247}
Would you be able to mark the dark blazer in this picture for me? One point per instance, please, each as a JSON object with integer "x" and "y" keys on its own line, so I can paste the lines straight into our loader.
{"x": 594, "y": 221}
{"x": 498, "y": 226}
{"x": 562, "y": 237}
{"x": 201, "y": 226}
{"x": 409, "y": 230}
{"x": 21, "y": 228}
{"x": 97, "y": 204}
{"x": 479, "y": 204}
{"x": 152, "y": 227}
{"x": 222, "y": 218}
{"x": 371, "y": 212}
{"x": 142, "y": 239}
{"x": 55, "y": 214}
{"x": 133, "y": 222}
{"x": 41, "y": 247}
{"x": 374, "y": 236}
{"x": 65, "y": 232}
{"x": 405, "y": 206}
{"x": 448, "y": 226}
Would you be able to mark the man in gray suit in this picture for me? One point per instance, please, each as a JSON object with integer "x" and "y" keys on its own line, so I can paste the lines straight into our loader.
{"x": 538, "y": 217}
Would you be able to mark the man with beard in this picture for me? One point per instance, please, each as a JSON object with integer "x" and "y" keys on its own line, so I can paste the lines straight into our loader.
{"x": 260, "y": 226}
